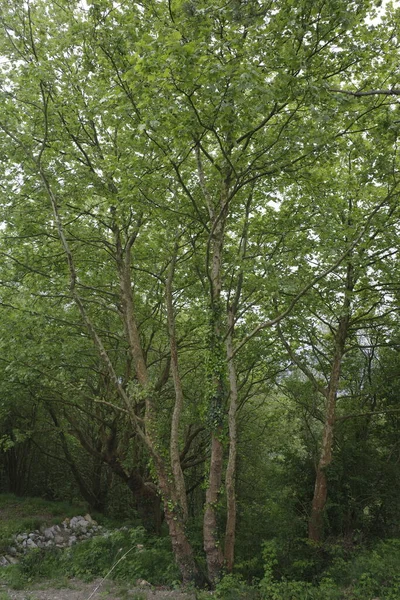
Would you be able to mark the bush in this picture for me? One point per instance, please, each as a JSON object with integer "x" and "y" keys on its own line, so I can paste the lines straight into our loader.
{"x": 364, "y": 575}
{"x": 371, "y": 573}
{"x": 41, "y": 564}
{"x": 124, "y": 555}
{"x": 232, "y": 587}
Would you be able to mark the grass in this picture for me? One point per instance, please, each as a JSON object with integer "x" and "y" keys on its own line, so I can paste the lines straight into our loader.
{"x": 23, "y": 515}
{"x": 99, "y": 557}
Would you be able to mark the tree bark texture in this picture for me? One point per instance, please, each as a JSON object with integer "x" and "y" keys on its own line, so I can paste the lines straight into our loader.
{"x": 230, "y": 478}
{"x": 181, "y": 546}
{"x": 217, "y": 366}
{"x": 316, "y": 521}
{"x": 179, "y": 399}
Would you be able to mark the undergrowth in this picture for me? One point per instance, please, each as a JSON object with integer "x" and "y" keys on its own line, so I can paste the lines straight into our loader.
{"x": 145, "y": 558}
{"x": 20, "y": 515}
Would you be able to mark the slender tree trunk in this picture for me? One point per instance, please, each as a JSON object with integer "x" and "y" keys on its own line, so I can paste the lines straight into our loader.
{"x": 179, "y": 400}
{"x": 316, "y": 521}
{"x": 212, "y": 548}
{"x": 315, "y": 526}
{"x": 217, "y": 375}
{"x": 230, "y": 478}
{"x": 175, "y": 508}
{"x": 181, "y": 546}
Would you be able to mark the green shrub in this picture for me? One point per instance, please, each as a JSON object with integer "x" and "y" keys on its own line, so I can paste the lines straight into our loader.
{"x": 41, "y": 564}
{"x": 13, "y": 577}
{"x": 130, "y": 555}
{"x": 363, "y": 575}
{"x": 371, "y": 573}
{"x": 232, "y": 587}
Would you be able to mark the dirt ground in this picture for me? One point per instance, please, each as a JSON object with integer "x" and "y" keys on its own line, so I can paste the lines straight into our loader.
{"x": 77, "y": 590}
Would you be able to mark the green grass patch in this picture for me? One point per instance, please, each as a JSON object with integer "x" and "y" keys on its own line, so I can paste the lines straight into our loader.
{"x": 24, "y": 515}
{"x": 123, "y": 556}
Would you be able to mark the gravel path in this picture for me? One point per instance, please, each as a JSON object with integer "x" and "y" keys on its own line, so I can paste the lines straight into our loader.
{"x": 77, "y": 590}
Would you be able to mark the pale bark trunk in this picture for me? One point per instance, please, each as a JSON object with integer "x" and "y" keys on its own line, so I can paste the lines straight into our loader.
{"x": 230, "y": 478}
{"x": 315, "y": 526}
{"x": 178, "y": 407}
{"x": 212, "y": 547}
{"x": 316, "y": 521}
{"x": 181, "y": 546}
{"x": 174, "y": 495}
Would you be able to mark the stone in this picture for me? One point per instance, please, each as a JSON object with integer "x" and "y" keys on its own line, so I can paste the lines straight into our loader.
{"x": 49, "y": 533}
{"x": 89, "y": 519}
{"x": 70, "y": 532}
{"x": 58, "y": 539}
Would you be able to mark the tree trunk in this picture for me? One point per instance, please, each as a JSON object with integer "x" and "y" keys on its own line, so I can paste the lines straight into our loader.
{"x": 315, "y": 526}
{"x": 181, "y": 546}
{"x": 182, "y": 549}
{"x": 230, "y": 478}
{"x": 212, "y": 548}
{"x": 172, "y": 488}
{"x": 316, "y": 522}
{"x": 179, "y": 400}
{"x": 217, "y": 376}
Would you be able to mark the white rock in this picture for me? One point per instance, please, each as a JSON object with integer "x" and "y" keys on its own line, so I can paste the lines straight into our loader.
{"x": 49, "y": 533}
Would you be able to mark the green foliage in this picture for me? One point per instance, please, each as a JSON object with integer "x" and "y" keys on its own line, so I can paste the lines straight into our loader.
{"x": 222, "y": 125}
{"x": 125, "y": 555}
{"x": 40, "y": 564}
{"x": 21, "y": 515}
{"x": 362, "y": 574}
{"x": 370, "y": 573}
{"x": 232, "y": 587}
{"x": 13, "y": 577}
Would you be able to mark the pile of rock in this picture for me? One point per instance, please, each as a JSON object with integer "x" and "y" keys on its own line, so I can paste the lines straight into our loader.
{"x": 65, "y": 535}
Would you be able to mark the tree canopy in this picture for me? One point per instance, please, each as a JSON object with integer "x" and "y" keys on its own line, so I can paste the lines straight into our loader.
{"x": 199, "y": 235}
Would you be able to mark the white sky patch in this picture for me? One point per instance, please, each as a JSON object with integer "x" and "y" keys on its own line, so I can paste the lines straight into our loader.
{"x": 381, "y": 11}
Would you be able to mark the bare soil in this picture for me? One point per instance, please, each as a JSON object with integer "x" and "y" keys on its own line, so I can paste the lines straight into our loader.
{"x": 78, "y": 590}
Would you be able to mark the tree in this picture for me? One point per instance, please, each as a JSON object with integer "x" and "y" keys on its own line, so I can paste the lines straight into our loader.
{"x": 157, "y": 134}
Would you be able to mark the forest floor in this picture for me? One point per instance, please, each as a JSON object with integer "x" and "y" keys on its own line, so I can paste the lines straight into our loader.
{"x": 27, "y": 514}
{"x": 78, "y": 590}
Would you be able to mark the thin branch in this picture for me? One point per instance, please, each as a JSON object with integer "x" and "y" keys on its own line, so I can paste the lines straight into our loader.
{"x": 313, "y": 282}
{"x": 367, "y": 414}
{"x": 390, "y": 92}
